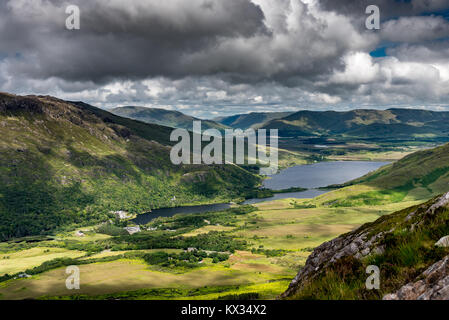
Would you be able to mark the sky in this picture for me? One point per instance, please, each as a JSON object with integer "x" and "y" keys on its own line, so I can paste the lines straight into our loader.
{"x": 210, "y": 58}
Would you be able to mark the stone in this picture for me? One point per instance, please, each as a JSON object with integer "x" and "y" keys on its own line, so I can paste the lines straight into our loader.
{"x": 443, "y": 242}
{"x": 433, "y": 286}
{"x": 132, "y": 230}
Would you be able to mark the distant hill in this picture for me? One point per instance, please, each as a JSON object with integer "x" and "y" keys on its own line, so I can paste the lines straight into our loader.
{"x": 65, "y": 163}
{"x": 168, "y": 118}
{"x": 367, "y": 124}
{"x": 250, "y": 120}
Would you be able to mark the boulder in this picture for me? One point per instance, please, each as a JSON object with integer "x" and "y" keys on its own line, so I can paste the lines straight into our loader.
{"x": 433, "y": 285}
{"x": 443, "y": 242}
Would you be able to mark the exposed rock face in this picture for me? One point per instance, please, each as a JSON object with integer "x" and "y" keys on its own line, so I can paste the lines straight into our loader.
{"x": 434, "y": 286}
{"x": 11, "y": 103}
{"x": 365, "y": 241}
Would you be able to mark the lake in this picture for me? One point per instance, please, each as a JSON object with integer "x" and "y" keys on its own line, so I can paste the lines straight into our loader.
{"x": 169, "y": 212}
{"x": 321, "y": 174}
{"x": 313, "y": 176}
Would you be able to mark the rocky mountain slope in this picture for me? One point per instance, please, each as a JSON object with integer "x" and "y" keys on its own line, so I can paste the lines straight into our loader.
{"x": 64, "y": 163}
{"x": 251, "y": 120}
{"x": 410, "y": 247}
{"x": 169, "y": 118}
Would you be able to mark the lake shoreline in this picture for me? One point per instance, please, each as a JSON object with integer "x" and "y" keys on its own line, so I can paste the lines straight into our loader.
{"x": 316, "y": 178}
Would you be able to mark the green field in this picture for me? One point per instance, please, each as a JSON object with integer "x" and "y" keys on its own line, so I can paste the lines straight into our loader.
{"x": 278, "y": 238}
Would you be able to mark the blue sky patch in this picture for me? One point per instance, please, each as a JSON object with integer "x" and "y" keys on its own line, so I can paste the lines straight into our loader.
{"x": 379, "y": 52}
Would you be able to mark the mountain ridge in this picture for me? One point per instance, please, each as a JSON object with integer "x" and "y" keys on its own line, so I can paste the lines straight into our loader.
{"x": 66, "y": 163}
{"x": 253, "y": 120}
{"x": 169, "y": 118}
{"x": 366, "y": 123}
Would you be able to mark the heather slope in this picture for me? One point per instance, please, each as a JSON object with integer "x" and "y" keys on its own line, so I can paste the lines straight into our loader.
{"x": 63, "y": 163}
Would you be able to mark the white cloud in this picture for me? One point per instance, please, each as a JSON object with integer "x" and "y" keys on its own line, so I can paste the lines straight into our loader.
{"x": 205, "y": 57}
{"x": 359, "y": 69}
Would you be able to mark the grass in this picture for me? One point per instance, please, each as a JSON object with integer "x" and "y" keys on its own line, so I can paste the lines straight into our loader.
{"x": 274, "y": 225}
{"x": 407, "y": 254}
{"x": 267, "y": 290}
{"x": 127, "y": 275}
{"x": 371, "y": 156}
{"x": 109, "y": 253}
{"x": 11, "y": 263}
{"x": 206, "y": 229}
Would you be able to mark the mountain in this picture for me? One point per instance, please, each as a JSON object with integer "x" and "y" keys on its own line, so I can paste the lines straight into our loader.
{"x": 367, "y": 124}
{"x": 168, "y": 118}
{"x": 251, "y": 120}
{"x": 64, "y": 163}
{"x": 409, "y": 248}
{"x": 418, "y": 176}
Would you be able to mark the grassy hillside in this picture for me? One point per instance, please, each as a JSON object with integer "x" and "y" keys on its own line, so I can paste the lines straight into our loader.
{"x": 67, "y": 163}
{"x": 174, "y": 119}
{"x": 251, "y": 120}
{"x": 393, "y": 124}
{"x": 401, "y": 245}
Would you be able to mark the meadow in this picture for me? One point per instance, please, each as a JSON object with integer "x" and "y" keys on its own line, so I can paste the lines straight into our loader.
{"x": 266, "y": 245}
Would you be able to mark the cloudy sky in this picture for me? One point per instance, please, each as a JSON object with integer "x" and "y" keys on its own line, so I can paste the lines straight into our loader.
{"x": 219, "y": 57}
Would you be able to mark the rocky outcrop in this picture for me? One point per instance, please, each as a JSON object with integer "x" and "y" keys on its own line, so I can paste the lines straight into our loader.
{"x": 357, "y": 244}
{"x": 433, "y": 286}
{"x": 11, "y": 104}
{"x": 370, "y": 239}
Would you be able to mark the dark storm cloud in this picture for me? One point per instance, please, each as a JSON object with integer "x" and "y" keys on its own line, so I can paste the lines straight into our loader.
{"x": 205, "y": 55}
{"x": 237, "y": 39}
{"x": 389, "y": 8}
{"x": 126, "y": 39}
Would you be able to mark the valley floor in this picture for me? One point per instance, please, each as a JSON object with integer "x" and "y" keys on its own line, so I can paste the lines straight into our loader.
{"x": 279, "y": 238}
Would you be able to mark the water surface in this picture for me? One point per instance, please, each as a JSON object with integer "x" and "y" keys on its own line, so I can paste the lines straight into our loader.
{"x": 169, "y": 212}
{"x": 311, "y": 176}
{"x": 321, "y": 174}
